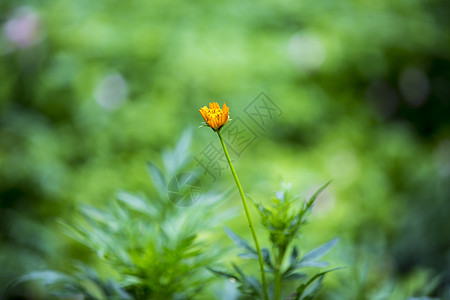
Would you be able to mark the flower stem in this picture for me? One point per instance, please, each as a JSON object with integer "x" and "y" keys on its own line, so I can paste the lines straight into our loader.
{"x": 249, "y": 219}
{"x": 278, "y": 262}
{"x": 277, "y": 285}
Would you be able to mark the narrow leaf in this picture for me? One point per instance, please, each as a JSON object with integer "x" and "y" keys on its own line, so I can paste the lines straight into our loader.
{"x": 302, "y": 287}
{"x": 248, "y": 255}
{"x": 239, "y": 241}
{"x": 48, "y": 277}
{"x": 294, "y": 276}
{"x": 316, "y": 194}
{"x": 158, "y": 179}
{"x": 249, "y": 280}
{"x": 266, "y": 257}
{"x": 223, "y": 274}
{"x": 313, "y": 264}
{"x": 317, "y": 253}
{"x": 135, "y": 202}
{"x": 181, "y": 151}
{"x": 294, "y": 255}
{"x": 244, "y": 278}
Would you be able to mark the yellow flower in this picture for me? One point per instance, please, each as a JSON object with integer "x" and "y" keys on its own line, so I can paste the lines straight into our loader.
{"x": 214, "y": 116}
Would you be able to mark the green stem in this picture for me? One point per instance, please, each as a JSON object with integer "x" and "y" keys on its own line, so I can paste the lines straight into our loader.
{"x": 277, "y": 285}
{"x": 278, "y": 263}
{"x": 249, "y": 219}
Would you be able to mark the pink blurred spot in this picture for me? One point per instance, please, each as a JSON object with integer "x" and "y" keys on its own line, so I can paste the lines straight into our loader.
{"x": 22, "y": 29}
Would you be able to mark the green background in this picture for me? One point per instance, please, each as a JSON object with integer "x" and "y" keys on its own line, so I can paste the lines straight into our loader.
{"x": 91, "y": 90}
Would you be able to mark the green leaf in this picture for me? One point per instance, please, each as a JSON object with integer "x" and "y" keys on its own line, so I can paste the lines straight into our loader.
{"x": 312, "y": 264}
{"x": 93, "y": 213}
{"x": 314, "y": 287}
{"x": 239, "y": 241}
{"x": 248, "y": 255}
{"x": 302, "y": 287}
{"x": 174, "y": 160}
{"x": 294, "y": 255}
{"x": 117, "y": 290}
{"x": 266, "y": 257}
{"x": 158, "y": 179}
{"x": 317, "y": 253}
{"x": 254, "y": 284}
{"x": 239, "y": 272}
{"x": 294, "y": 276}
{"x": 181, "y": 151}
{"x": 48, "y": 277}
{"x": 314, "y": 197}
{"x": 263, "y": 211}
{"x": 223, "y": 274}
{"x": 186, "y": 242}
{"x": 292, "y": 262}
{"x": 136, "y": 203}
{"x": 250, "y": 281}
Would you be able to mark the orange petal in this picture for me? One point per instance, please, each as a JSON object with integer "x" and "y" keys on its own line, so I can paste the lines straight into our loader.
{"x": 226, "y": 109}
{"x": 204, "y": 112}
{"x": 203, "y": 115}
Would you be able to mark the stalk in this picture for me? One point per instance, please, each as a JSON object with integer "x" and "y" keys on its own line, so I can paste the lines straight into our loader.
{"x": 279, "y": 261}
{"x": 277, "y": 285}
{"x": 249, "y": 219}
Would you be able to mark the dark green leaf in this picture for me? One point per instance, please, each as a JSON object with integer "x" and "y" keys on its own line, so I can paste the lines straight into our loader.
{"x": 254, "y": 284}
{"x": 250, "y": 281}
{"x": 266, "y": 257}
{"x": 294, "y": 276}
{"x": 223, "y": 274}
{"x": 239, "y": 241}
{"x": 294, "y": 255}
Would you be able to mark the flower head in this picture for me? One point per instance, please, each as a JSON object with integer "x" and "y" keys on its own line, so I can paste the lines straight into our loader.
{"x": 214, "y": 116}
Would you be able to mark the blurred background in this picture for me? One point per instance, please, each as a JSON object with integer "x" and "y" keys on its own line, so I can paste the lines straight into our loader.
{"x": 91, "y": 90}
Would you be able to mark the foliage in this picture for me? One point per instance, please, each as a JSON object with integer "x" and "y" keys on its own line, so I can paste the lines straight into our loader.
{"x": 83, "y": 282}
{"x": 91, "y": 89}
{"x": 282, "y": 221}
{"x": 154, "y": 248}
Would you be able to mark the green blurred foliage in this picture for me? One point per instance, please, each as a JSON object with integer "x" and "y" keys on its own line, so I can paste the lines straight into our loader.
{"x": 91, "y": 90}
{"x": 282, "y": 221}
{"x": 145, "y": 248}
